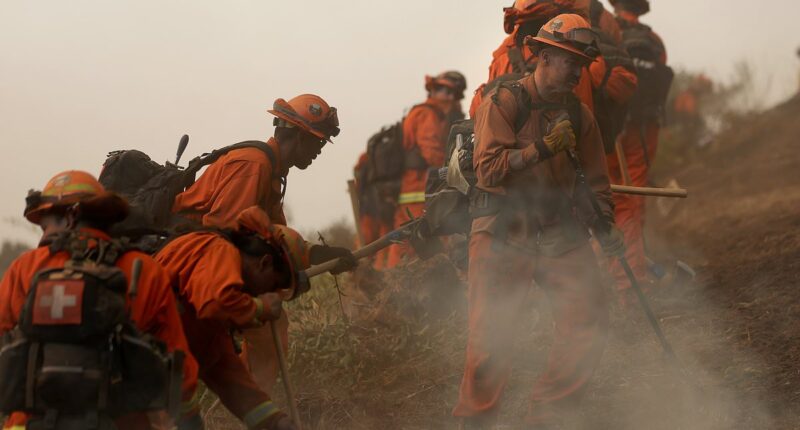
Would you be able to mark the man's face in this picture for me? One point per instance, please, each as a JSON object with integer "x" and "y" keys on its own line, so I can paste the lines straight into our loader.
{"x": 564, "y": 71}
{"x": 261, "y": 276}
{"x": 443, "y": 95}
{"x": 306, "y": 150}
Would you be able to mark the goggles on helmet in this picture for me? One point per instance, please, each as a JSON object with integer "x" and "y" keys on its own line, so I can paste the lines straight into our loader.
{"x": 328, "y": 125}
{"x": 584, "y": 39}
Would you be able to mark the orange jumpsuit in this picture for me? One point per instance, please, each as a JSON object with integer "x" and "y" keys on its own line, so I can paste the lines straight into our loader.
{"x": 544, "y": 240}
{"x": 621, "y": 83}
{"x": 238, "y": 180}
{"x": 206, "y": 271}
{"x": 370, "y": 224}
{"x": 154, "y": 311}
{"x": 629, "y": 216}
{"x": 424, "y": 131}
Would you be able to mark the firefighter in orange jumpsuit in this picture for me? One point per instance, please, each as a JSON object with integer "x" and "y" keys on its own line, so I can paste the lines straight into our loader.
{"x": 76, "y": 200}
{"x": 254, "y": 177}
{"x": 425, "y": 132}
{"x": 531, "y": 222}
{"x": 514, "y": 58}
{"x": 219, "y": 276}
{"x": 372, "y": 222}
{"x": 524, "y": 18}
{"x": 639, "y": 139}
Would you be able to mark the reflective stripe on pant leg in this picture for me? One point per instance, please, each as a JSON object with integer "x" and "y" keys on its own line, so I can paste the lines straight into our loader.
{"x": 259, "y": 414}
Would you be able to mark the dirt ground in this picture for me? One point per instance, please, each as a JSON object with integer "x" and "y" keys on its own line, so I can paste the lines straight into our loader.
{"x": 396, "y": 361}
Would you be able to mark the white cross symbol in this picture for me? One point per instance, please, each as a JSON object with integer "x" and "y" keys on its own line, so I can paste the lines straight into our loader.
{"x": 58, "y": 301}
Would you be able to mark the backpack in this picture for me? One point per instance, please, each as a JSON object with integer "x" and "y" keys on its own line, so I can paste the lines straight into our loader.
{"x": 655, "y": 79}
{"x": 387, "y": 160}
{"x": 75, "y": 358}
{"x": 609, "y": 114}
{"x": 151, "y": 188}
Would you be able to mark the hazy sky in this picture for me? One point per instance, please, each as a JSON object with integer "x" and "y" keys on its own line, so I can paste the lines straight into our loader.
{"x": 81, "y": 78}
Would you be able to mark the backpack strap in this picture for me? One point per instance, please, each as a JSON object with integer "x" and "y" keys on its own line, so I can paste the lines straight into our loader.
{"x": 524, "y": 102}
{"x": 76, "y": 244}
{"x": 575, "y": 112}
{"x": 203, "y": 160}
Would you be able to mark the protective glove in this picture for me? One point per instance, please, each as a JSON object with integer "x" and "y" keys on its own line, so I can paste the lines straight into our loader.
{"x": 278, "y": 421}
{"x": 560, "y": 139}
{"x": 322, "y": 253}
{"x": 269, "y": 307}
{"x": 612, "y": 241}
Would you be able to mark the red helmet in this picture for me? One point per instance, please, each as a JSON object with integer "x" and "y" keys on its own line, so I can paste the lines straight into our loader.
{"x": 528, "y": 10}
{"x": 308, "y": 112}
{"x": 568, "y": 32}
{"x": 75, "y": 187}
{"x": 451, "y": 79}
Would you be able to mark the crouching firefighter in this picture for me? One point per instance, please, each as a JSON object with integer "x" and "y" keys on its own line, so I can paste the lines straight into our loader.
{"x": 236, "y": 279}
{"x": 532, "y": 222}
{"x": 91, "y": 336}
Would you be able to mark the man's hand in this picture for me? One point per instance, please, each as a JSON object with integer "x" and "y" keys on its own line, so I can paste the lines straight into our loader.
{"x": 269, "y": 307}
{"x": 322, "y": 253}
{"x": 612, "y": 242}
{"x": 561, "y": 138}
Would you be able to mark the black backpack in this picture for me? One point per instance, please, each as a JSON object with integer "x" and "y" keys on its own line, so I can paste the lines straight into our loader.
{"x": 609, "y": 114}
{"x": 387, "y": 160}
{"x": 655, "y": 79}
{"x": 75, "y": 359}
{"x": 151, "y": 188}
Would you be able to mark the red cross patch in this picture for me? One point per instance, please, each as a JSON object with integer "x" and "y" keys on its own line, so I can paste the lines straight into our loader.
{"x": 58, "y": 302}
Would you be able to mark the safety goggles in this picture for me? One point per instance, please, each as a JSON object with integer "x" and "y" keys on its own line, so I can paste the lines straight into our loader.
{"x": 445, "y": 89}
{"x": 328, "y": 125}
{"x": 584, "y": 39}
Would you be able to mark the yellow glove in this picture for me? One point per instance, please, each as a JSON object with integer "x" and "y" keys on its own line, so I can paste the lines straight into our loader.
{"x": 561, "y": 138}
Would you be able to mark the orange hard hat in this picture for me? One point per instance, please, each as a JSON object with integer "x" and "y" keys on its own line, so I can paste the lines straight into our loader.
{"x": 75, "y": 187}
{"x": 450, "y": 79}
{"x": 636, "y": 7}
{"x": 308, "y": 112}
{"x": 569, "y": 32}
{"x": 523, "y": 11}
{"x": 290, "y": 242}
{"x": 296, "y": 250}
